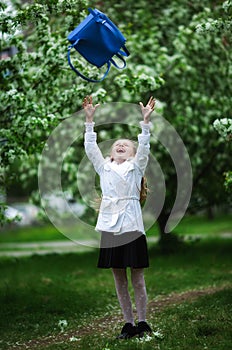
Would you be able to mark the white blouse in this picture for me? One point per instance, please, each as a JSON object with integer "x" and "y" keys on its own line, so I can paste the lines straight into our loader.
{"x": 120, "y": 209}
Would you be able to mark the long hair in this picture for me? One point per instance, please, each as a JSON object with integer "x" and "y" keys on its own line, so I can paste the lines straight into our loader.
{"x": 144, "y": 190}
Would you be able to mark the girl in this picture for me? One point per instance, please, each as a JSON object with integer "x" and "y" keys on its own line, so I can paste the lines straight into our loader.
{"x": 123, "y": 240}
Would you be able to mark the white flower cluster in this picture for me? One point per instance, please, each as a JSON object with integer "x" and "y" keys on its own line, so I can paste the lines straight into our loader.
{"x": 158, "y": 334}
{"x": 72, "y": 339}
{"x": 223, "y": 127}
{"x": 227, "y": 5}
{"x": 149, "y": 337}
{"x": 62, "y": 324}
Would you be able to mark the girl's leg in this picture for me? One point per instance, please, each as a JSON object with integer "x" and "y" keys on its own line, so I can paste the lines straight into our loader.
{"x": 121, "y": 285}
{"x": 138, "y": 282}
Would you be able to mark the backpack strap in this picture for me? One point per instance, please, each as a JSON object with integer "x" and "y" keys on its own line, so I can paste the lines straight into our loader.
{"x": 115, "y": 64}
{"x": 125, "y": 53}
{"x": 121, "y": 53}
{"x": 79, "y": 73}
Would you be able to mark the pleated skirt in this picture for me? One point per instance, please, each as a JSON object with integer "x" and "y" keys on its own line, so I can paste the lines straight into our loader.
{"x": 125, "y": 250}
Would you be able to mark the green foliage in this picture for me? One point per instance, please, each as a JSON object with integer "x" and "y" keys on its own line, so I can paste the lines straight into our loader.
{"x": 224, "y": 128}
{"x": 197, "y": 91}
{"x": 33, "y": 97}
{"x": 180, "y": 52}
{"x": 228, "y": 181}
{"x": 2, "y": 212}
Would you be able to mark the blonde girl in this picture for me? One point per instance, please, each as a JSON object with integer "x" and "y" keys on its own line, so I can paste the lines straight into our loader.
{"x": 123, "y": 239}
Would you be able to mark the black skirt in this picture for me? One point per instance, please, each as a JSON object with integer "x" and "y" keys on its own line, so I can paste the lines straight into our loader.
{"x": 125, "y": 250}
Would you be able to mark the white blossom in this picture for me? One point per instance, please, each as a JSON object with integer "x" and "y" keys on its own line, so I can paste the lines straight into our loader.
{"x": 62, "y": 324}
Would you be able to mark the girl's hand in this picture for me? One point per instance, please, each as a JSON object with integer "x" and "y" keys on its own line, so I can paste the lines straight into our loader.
{"x": 89, "y": 108}
{"x": 148, "y": 109}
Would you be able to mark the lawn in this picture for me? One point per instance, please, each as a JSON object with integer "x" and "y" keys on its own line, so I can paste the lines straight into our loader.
{"x": 188, "y": 225}
{"x": 65, "y": 302}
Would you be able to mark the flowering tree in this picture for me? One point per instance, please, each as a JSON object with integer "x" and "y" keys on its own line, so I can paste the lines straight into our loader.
{"x": 39, "y": 90}
{"x": 195, "y": 39}
{"x": 180, "y": 53}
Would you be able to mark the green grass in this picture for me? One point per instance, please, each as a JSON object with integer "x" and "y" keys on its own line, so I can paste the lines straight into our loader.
{"x": 45, "y": 233}
{"x": 39, "y": 291}
{"x": 202, "y": 225}
{"x": 30, "y": 234}
{"x": 204, "y": 324}
{"x": 189, "y": 225}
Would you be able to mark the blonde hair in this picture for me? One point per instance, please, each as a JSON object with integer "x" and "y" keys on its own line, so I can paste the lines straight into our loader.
{"x": 144, "y": 190}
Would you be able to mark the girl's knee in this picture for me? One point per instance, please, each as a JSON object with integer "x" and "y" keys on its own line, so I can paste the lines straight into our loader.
{"x": 137, "y": 278}
{"x": 120, "y": 275}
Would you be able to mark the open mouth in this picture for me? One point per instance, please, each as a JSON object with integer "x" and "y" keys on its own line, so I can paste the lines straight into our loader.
{"x": 120, "y": 150}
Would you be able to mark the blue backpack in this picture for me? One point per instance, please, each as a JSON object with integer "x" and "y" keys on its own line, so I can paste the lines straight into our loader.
{"x": 98, "y": 39}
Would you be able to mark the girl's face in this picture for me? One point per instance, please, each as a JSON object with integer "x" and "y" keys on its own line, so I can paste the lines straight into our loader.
{"x": 122, "y": 150}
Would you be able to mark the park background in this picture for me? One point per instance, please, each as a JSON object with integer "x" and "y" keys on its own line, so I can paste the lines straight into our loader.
{"x": 181, "y": 54}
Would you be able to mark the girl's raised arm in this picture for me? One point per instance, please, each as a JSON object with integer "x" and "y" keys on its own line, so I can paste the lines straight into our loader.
{"x": 143, "y": 150}
{"x": 92, "y": 150}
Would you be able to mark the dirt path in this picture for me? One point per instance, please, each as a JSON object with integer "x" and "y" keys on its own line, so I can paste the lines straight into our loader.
{"x": 107, "y": 324}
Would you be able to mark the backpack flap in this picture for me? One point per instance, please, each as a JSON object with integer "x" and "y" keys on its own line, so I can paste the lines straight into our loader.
{"x": 110, "y": 36}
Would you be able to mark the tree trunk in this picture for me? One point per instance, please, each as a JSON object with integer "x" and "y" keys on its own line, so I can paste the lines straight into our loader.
{"x": 168, "y": 242}
{"x": 162, "y": 221}
{"x": 210, "y": 213}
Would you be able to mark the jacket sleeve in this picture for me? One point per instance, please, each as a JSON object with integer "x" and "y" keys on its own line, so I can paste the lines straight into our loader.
{"x": 143, "y": 150}
{"x": 92, "y": 150}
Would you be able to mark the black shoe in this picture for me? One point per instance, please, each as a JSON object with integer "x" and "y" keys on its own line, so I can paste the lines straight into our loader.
{"x": 128, "y": 331}
{"x": 143, "y": 328}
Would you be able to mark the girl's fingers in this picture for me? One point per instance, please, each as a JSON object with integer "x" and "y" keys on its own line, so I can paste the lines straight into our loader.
{"x": 88, "y": 100}
{"x": 85, "y": 101}
{"x": 150, "y": 100}
{"x": 152, "y": 103}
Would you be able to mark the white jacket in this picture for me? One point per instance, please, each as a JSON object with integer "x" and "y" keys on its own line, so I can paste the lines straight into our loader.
{"x": 120, "y": 209}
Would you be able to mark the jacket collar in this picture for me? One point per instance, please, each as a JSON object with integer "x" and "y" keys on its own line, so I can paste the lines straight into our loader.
{"x": 131, "y": 166}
